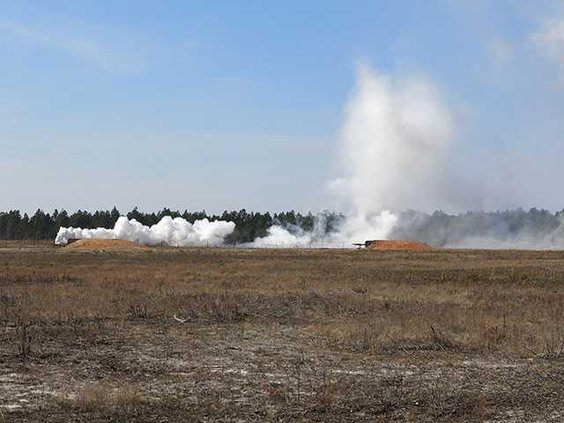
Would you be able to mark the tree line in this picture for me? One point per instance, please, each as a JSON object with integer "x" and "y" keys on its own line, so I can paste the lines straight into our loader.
{"x": 42, "y": 226}
{"x": 437, "y": 228}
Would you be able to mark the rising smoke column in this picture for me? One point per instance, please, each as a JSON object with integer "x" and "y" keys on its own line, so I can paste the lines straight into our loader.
{"x": 394, "y": 142}
{"x": 392, "y": 147}
{"x": 176, "y": 232}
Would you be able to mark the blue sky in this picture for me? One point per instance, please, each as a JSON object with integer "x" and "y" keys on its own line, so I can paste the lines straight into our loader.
{"x": 231, "y": 104}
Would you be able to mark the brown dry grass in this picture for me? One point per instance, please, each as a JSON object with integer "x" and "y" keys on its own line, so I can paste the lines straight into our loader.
{"x": 282, "y": 334}
{"x": 104, "y": 398}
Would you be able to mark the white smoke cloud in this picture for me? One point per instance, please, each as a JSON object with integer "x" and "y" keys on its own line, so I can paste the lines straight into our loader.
{"x": 353, "y": 229}
{"x": 394, "y": 140}
{"x": 393, "y": 144}
{"x": 279, "y": 237}
{"x": 360, "y": 227}
{"x": 176, "y": 232}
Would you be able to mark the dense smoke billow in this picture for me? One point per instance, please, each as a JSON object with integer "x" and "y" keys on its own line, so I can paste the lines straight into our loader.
{"x": 393, "y": 145}
{"x": 345, "y": 231}
{"x": 176, "y": 232}
{"x": 392, "y": 149}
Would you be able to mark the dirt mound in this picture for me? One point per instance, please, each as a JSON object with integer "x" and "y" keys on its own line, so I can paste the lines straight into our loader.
{"x": 105, "y": 244}
{"x": 398, "y": 246}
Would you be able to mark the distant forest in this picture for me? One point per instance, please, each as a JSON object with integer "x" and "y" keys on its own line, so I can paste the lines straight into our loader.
{"x": 436, "y": 229}
{"x": 249, "y": 225}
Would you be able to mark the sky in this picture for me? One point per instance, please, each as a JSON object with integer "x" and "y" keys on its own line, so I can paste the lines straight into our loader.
{"x": 225, "y": 105}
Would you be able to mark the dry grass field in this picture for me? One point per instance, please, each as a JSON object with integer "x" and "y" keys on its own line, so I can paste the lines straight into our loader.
{"x": 280, "y": 335}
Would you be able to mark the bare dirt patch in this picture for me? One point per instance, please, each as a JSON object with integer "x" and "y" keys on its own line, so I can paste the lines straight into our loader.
{"x": 105, "y": 244}
{"x": 391, "y": 245}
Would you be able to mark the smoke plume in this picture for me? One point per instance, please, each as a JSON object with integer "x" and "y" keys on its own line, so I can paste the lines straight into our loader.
{"x": 176, "y": 232}
{"x": 394, "y": 141}
{"x": 392, "y": 149}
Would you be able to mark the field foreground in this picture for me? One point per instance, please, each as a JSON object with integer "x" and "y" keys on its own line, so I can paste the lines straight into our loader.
{"x": 280, "y": 335}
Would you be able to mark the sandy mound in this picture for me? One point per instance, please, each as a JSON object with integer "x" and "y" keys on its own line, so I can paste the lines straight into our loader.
{"x": 106, "y": 244}
{"x": 398, "y": 246}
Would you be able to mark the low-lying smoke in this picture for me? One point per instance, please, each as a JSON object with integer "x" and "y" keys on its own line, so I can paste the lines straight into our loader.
{"x": 513, "y": 229}
{"x": 350, "y": 229}
{"x": 176, "y": 232}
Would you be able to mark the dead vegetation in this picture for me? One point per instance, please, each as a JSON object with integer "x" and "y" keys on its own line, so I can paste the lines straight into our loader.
{"x": 103, "y": 398}
{"x": 282, "y": 335}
